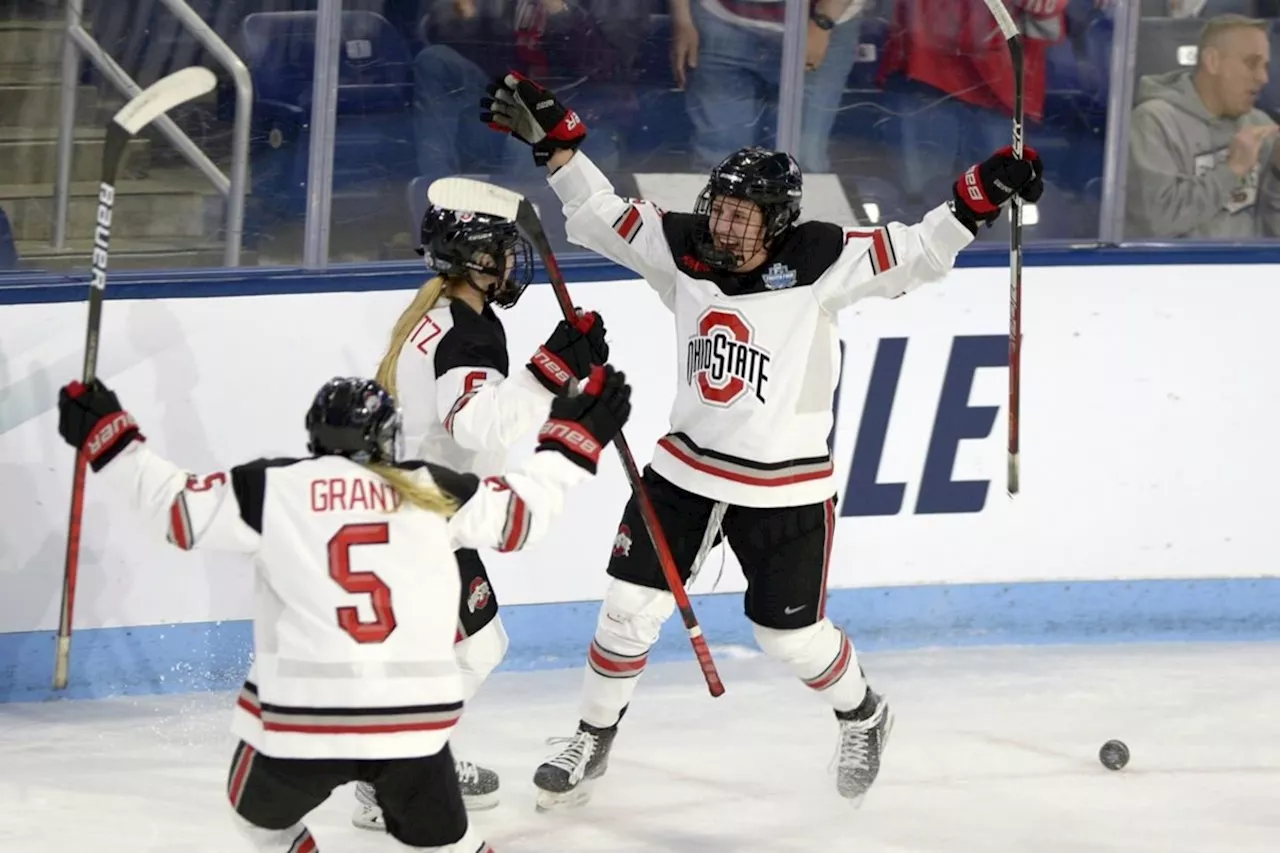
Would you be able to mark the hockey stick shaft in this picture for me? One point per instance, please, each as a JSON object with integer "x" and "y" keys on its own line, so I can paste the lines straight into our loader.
{"x": 528, "y": 221}
{"x": 179, "y": 87}
{"x": 1013, "y": 38}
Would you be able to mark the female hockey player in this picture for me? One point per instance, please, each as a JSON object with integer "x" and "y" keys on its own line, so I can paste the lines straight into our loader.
{"x": 447, "y": 364}
{"x": 755, "y": 296}
{"x": 354, "y": 676}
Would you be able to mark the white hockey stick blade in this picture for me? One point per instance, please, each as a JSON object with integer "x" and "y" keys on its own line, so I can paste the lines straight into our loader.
{"x": 163, "y": 95}
{"x": 1004, "y": 20}
{"x": 476, "y": 196}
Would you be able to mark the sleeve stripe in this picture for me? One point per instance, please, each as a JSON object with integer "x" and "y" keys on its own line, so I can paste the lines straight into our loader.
{"x": 628, "y": 225}
{"x": 457, "y": 407}
{"x": 516, "y": 530}
{"x": 883, "y": 257}
{"x": 180, "y": 523}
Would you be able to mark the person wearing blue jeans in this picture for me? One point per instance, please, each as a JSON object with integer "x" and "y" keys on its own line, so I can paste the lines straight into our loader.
{"x": 733, "y": 58}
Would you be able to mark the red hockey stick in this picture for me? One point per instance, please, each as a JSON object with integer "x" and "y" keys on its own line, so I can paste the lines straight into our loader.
{"x": 467, "y": 194}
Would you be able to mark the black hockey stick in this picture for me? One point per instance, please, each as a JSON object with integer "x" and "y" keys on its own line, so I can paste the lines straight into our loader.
{"x": 467, "y": 194}
{"x": 1013, "y": 37}
{"x": 144, "y": 108}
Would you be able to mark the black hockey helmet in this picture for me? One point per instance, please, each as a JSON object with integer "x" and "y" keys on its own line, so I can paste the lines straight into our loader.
{"x": 770, "y": 179}
{"x": 457, "y": 243}
{"x": 356, "y": 418}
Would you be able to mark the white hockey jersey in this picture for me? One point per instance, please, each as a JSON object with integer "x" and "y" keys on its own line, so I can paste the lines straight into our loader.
{"x": 758, "y": 353}
{"x": 461, "y": 409}
{"x": 355, "y": 600}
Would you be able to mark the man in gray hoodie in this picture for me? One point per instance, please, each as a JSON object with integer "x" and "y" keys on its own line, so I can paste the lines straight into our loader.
{"x": 1203, "y": 160}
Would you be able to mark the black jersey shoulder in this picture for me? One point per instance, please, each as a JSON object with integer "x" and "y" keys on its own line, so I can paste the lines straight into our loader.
{"x": 461, "y": 486}
{"x": 806, "y": 252}
{"x": 474, "y": 340}
{"x": 249, "y": 482}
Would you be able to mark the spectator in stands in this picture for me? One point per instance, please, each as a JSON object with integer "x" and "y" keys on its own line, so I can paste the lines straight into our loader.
{"x": 1203, "y": 162}
{"x": 727, "y": 55}
{"x": 559, "y": 41}
{"x": 949, "y": 67}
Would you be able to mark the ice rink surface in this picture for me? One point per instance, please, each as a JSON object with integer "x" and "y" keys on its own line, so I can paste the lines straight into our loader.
{"x": 994, "y": 750}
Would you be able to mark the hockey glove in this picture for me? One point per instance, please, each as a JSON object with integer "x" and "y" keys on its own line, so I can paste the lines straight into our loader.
{"x": 571, "y": 351}
{"x": 580, "y": 427}
{"x": 984, "y": 188}
{"x": 90, "y": 419}
{"x": 532, "y": 114}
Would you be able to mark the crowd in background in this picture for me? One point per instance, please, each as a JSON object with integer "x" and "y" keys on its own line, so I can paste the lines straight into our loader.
{"x": 898, "y": 96}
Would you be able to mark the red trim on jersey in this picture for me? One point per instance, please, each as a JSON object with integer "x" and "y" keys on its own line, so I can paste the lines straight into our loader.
{"x": 458, "y": 405}
{"x": 516, "y": 530}
{"x": 629, "y": 223}
{"x": 180, "y": 523}
{"x": 883, "y": 257}
{"x": 708, "y": 468}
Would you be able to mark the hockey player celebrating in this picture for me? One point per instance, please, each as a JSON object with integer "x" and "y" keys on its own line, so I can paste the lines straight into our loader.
{"x": 448, "y": 367}
{"x": 755, "y": 296}
{"x": 354, "y": 676}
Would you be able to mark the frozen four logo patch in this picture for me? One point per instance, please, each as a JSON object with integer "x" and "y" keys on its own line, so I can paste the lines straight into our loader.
{"x": 779, "y": 277}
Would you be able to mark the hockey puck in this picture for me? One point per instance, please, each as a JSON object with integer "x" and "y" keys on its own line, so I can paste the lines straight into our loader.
{"x": 1114, "y": 755}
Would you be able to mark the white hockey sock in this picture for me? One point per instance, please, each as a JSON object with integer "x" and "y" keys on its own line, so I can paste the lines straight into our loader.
{"x": 630, "y": 620}
{"x": 470, "y": 842}
{"x": 479, "y": 654}
{"x": 824, "y": 659}
{"x": 295, "y": 839}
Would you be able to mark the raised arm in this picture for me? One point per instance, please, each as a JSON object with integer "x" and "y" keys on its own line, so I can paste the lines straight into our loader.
{"x": 221, "y": 511}
{"x": 896, "y": 259}
{"x": 627, "y": 231}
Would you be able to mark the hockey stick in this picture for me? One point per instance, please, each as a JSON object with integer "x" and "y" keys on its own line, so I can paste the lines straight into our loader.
{"x": 1013, "y": 38}
{"x": 148, "y": 105}
{"x": 468, "y": 194}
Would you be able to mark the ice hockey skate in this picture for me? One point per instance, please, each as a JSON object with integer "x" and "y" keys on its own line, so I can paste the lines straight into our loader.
{"x": 479, "y": 792}
{"x": 563, "y": 781}
{"x": 863, "y": 737}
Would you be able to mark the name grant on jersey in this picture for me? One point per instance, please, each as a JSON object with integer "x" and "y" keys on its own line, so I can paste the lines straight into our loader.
{"x": 341, "y": 494}
{"x": 722, "y": 362}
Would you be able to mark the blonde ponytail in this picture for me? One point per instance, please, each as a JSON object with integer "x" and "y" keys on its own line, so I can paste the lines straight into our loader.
{"x": 423, "y": 301}
{"x": 412, "y": 491}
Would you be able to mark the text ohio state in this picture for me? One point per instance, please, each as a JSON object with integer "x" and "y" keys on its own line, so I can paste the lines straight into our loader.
{"x": 720, "y": 358}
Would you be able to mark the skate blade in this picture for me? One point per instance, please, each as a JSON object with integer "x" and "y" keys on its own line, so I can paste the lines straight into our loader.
{"x": 370, "y": 820}
{"x": 480, "y": 802}
{"x": 550, "y": 801}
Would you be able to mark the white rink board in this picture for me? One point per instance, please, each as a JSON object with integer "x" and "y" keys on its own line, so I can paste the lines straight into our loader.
{"x": 1148, "y": 422}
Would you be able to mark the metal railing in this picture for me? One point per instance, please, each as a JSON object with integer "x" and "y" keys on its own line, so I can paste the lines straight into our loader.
{"x": 78, "y": 41}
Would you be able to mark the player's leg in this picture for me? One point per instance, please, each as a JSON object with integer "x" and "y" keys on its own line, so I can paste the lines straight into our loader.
{"x": 271, "y": 796}
{"x": 785, "y": 554}
{"x": 635, "y": 605}
{"x": 423, "y": 806}
{"x": 480, "y": 647}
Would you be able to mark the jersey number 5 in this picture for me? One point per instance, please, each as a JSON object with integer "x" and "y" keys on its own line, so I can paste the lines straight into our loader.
{"x": 361, "y": 583}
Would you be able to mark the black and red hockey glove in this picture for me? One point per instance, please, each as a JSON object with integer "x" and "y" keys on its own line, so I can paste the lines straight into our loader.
{"x": 570, "y": 353}
{"x": 532, "y": 114}
{"x": 581, "y": 426}
{"x": 90, "y": 419}
{"x": 984, "y": 188}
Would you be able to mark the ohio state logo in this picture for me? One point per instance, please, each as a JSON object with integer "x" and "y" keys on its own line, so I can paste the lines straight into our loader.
{"x": 478, "y": 594}
{"x": 722, "y": 363}
{"x": 622, "y": 542}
